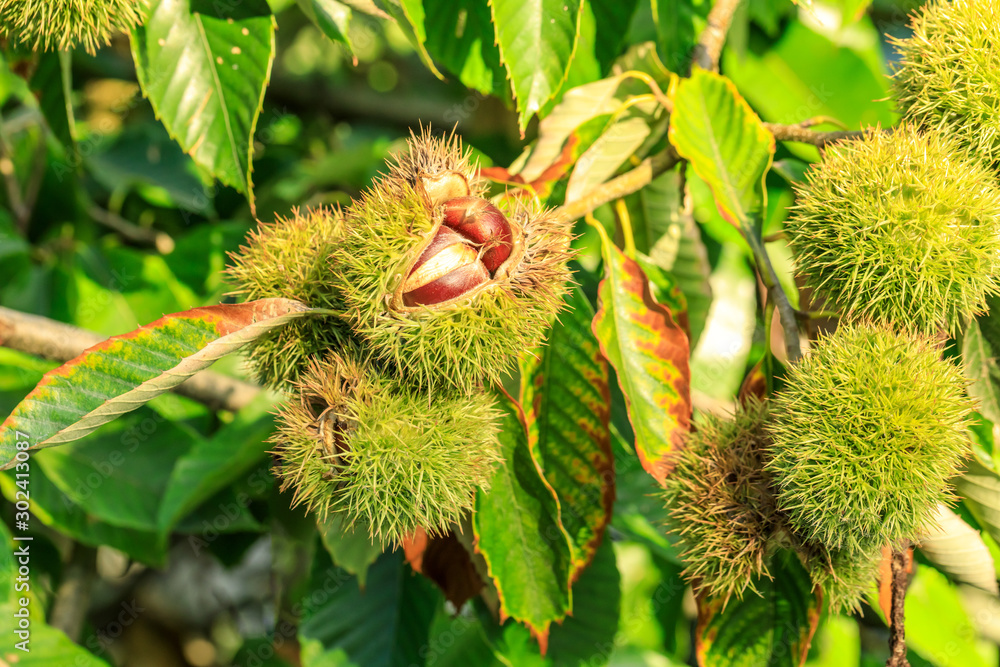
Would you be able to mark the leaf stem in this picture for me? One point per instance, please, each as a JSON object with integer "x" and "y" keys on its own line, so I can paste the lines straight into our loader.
{"x": 625, "y": 224}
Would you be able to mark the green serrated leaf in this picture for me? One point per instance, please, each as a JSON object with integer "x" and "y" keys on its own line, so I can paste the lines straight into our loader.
{"x": 564, "y": 391}
{"x": 772, "y": 629}
{"x": 649, "y": 351}
{"x": 126, "y": 371}
{"x": 459, "y": 35}
{"x": 537, "y": 39}
{"x": 52, "y": 84}
{"x": 204, "y": 67}
{"x": 333, "y": 19}
{"x": 714, "y": 128}
{"x": 518, "y": 533}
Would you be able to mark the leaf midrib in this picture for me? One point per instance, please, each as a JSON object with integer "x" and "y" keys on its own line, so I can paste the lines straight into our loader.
{"x": 219, "y": 91}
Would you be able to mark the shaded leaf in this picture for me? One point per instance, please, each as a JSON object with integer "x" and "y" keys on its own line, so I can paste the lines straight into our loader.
{"x": 518, "y": 533}
{"x": 773, "y": 628}
{"x": 612, "y": 18}
{"x": 588, "y": 636}
{"x": 120, "y": 374}
{"x": 958, "y": 550}
{"x": 383, "y": 625}
{"x": 649, "y": 352}
{"x": 108, "y": 474}
{"x": 45, "y": 646}
{"x": 52, "y": 82}
{"x": 204, "y": 67}
{"x": 350, "y": 548}
{"x": 564, "y": 391}
{"x": 537, "y": 39}
{"x": 678, "y": 24}
{"x": 714, "y": 128}
{"x": 213, "y": 464}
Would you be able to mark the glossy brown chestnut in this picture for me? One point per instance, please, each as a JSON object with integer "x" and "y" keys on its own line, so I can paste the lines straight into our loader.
{"x": 482, "y": 223}
{"x": 449, "y": 286}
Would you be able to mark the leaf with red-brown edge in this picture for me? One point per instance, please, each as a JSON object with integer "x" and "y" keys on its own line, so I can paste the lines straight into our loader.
{"x": 649, "y": 351}
{"x": 567, "y": 406}
{"x": 518, "y": 533}
{"x": 714, "y": 128}
{"x": 443, "y": 560}
{"x": 124, "y": 372}
{"x": 772, "y": 626}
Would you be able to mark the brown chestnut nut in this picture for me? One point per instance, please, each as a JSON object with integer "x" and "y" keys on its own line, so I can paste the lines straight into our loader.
{"x": 449, "y": 286}
{"x": 482, "y": 223}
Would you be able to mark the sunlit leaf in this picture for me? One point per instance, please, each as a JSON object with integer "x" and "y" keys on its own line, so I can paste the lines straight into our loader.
{"x": 649, "y": 351}
{"x": 716, "y": 130}
{"x": 958, "y": 550}
{"x": 126, "y": 371}
{"x": 537, "y": 39}
{"x": 518, "y": 533}
{"x": 564, "y": 391}
{"x": 332, "y": 17}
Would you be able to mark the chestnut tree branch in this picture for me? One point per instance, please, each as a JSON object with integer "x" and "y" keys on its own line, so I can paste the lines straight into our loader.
{"x": 897, "y": 630}
{"x": 709, "y": 48}
{"x": 42, "y": 337}
{"x": 803, "y": 135}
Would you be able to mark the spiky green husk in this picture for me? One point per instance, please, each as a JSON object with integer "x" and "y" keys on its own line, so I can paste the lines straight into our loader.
{"x": 291, "y": 258}
{"x": 948, "y": 75}
{"x": 846, "y": 577}
{"x": 867, "y": 432}
{"x": 355, "y": 441}
{"x": 721, "y": 504}
{"x": 65, "y": 24}
{"x": 900, "y": 227}
{"x": 463, "y": 344}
